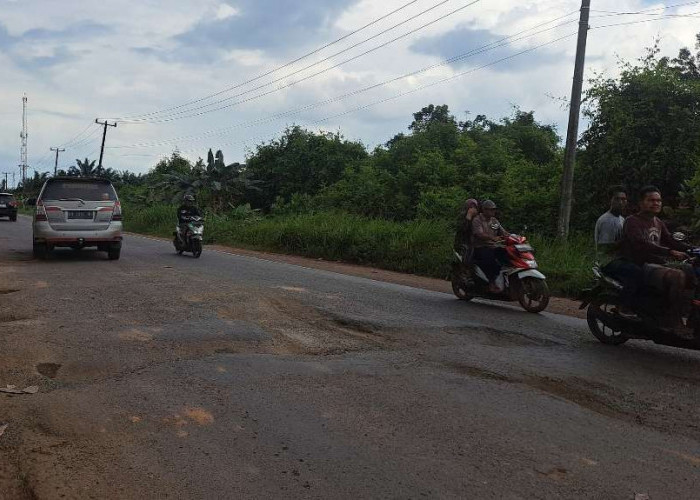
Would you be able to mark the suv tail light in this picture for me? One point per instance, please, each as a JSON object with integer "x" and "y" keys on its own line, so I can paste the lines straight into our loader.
{"x": 117, "y": 212}
{"x": 13, "y": 204}
{"x": 40, "y": 213}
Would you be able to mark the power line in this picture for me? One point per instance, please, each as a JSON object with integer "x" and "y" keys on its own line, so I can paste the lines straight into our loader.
{"x": 649, "y": 9}
{"x": 474, "y": 52}
{"x": 286, "y": 65}
{"x": 693, "y": 14}
{"x": 655, "y": 16}
{"x": 194, "y": 112}
{"x": 411, "y": 91}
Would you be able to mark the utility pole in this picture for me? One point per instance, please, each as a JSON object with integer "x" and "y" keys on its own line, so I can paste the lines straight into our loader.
{"x": 6, "y": 187}
{"x": 23, "y": 136}
{"x": 104, "y": 136}
{"x": 567, "y": 180}
{"x": 55, "y": 165}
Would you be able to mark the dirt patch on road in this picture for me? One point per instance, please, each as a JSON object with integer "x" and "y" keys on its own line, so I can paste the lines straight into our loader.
{"x": 587, "y": 394}
{"x": 298, "y": 328}
{"x": 590, "y": 395}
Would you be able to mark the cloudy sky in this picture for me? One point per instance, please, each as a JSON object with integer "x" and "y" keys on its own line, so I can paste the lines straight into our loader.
{"x": 194, "y": 75}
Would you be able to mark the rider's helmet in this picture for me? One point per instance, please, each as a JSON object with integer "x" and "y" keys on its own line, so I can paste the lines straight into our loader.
{"x": 188, "y": 199}
{"x": 488, "y": 204}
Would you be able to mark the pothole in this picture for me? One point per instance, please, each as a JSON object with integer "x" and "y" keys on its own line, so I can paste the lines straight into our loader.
{"x": 481, "y": 373}
{"x": 48, "y": 369}
{"x": 10, "y": 317}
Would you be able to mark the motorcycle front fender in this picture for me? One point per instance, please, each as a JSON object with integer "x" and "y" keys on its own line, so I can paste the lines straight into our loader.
{"x": 531, "y": 273}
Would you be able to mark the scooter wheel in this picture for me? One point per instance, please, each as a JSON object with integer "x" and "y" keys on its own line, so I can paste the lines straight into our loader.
{"x": 595, "y": 316}
{"x": 533, "y": 295}
{"x": 178, "y": 249}
{"x": 197, "y": 249}
{"x": 459, "y": 290}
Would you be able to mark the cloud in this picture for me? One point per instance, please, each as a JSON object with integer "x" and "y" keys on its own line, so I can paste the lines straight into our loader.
{"x": 76, "y": 31}
{"x": 277, "y": 25}
{"x": 41, "y": 48}
{"x": 463, "y": 40}
{"x": 225, "y": 11}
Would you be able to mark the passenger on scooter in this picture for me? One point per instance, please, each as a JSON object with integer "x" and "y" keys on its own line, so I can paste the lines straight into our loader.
{"x": 186, "y": 210}
{"x": 645, "y": 248}
{"x": 608, "y": 228}
{"x": 488, "y": 234}
{"x": 463, "y": 238}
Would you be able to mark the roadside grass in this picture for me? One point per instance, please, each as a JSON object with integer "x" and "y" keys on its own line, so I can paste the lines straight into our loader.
{"x": 418, "y": 247}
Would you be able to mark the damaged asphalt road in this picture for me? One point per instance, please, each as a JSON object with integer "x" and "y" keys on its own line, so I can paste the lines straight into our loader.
{"x": 163, "y": 376}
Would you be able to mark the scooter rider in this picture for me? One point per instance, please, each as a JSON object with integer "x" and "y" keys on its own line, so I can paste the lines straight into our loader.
{"x": 185, "y": 211}
{"x": 488, "y": 233}
{"x": 647, "y": 245}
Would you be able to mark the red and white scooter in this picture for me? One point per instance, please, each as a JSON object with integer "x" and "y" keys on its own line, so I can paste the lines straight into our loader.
{"x": 519, "y": 279}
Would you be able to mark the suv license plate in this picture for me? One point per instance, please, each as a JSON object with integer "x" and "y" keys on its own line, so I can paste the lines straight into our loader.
{"x": 80, "y": 215}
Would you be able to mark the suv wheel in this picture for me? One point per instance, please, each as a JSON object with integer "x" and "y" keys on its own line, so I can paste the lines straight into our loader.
{"x": 114, "y": 252}
{"x": 13, "y": 218}
{"x": 40, "y": 250}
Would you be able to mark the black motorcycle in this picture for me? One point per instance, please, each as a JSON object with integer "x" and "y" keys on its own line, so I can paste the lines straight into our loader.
{"x": 609, "y": 326}
{"x": 189, "y": 239}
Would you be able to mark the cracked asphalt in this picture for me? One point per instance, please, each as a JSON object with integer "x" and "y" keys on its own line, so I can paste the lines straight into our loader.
{"x": 164, "y": 376}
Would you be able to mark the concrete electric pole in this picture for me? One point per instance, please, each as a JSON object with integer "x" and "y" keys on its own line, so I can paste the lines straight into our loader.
{"x": 104, "y": 136}
{"x": 55, "y": 165}
{"x": 567, "y": 181}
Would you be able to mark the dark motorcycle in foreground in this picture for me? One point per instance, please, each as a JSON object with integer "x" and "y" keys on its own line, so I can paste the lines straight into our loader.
{"x": 519, "y": 279}
{"x": 611, "y": 327}
{"x": 190, "y": 238}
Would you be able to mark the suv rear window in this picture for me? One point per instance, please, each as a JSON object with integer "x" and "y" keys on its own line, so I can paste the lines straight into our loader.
{"x": 84, "y": 190}
{"x": 6, "y": 198}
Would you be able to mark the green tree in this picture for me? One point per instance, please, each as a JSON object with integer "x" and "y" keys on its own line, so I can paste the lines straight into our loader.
{"x": 299, "y": 162}
{"x": 644, "y": 129}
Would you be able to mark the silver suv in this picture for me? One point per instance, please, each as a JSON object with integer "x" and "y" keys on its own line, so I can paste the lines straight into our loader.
{"x": 78, "y": 212}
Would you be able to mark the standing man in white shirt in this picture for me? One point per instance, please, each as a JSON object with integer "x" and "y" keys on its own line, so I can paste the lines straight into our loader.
{"x": 608, "y": 229}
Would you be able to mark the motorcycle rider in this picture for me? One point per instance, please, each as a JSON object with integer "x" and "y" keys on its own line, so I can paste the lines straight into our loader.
{"x": 488, "y": 233}
{"x": 463, "y": 238}
{"x": 184, "y": 212}
{"x": 645, "y": 247}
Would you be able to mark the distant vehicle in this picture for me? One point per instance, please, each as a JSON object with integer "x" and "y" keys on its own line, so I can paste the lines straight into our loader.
{"x": 191, "y": 241}
{"x": 519, "y": 278}
{"x": 8, "y": 206}
{"x": 77, "y": 212}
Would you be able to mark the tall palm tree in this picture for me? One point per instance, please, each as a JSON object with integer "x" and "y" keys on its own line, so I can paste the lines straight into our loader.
{"x": 85, "y": 168}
